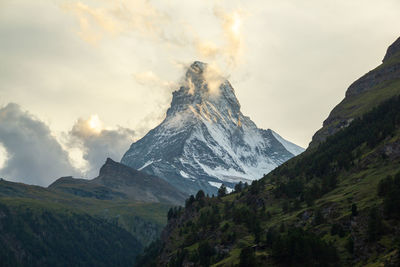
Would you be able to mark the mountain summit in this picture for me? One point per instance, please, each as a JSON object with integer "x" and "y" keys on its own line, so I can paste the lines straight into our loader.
{"x": 205, "y": 140}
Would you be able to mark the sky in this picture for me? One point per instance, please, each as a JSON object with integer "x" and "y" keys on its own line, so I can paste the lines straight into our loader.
{"x": 80, "y": 80}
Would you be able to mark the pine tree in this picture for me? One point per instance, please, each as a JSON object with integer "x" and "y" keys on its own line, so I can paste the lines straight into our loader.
{"x": 222, "y": 191}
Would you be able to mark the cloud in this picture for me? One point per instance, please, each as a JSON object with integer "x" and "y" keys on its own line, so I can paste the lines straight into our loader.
{"x": 29, "y": 153}
{"x": 33, "y": 155}
{"x": 148, "y": 78}
{"x": 113, "y": 18}
{"x": 97, "y": 143}
{"x": 3, "y": 156}
{"x": 156, "y": 24}
{"x": 214, "y": 78}
{"x": 207, "y": 49}
{"x": 231, "y": 23}
{"x": 93, "y": 22}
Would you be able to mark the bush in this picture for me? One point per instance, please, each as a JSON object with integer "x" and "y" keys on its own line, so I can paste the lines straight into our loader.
{"x": 222, "y": 191}
{"x": 205, "y": 252}
{"x": 350, "y": 245}
{"x": 375, "y": 226}
{"x": 389, "y": 189}
{"x": 354, "y": 210}
{"x": 239, "y": 187}
{"x": 302, "y": 248}
{"x": 337, "y": 229}
{"x": 200, "y": 195}
{"x": 247, "y": 257}
{"x": 318, "y": 218}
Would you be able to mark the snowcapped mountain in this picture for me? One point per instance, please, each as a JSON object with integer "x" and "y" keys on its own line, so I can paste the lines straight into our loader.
{"x": 205, "y": 140}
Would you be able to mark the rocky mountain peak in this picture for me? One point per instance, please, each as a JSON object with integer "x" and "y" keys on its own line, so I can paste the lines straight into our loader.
{"x": 108, "y": 167}
{"x": 392, "y": 50}
{"x": 204, "y": 84}
{"x": 197, "y": 68}
{"x": 205, "y": 140}
{"x": 109, "y": 161}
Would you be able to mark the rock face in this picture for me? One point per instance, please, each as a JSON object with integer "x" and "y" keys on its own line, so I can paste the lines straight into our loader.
{"x": 367, "y": 92}
{"x": 117, "y": 181}
{"x": 389, "y": 70}
{"x": 393, "y": 50}
{"x": 205, "y": 140}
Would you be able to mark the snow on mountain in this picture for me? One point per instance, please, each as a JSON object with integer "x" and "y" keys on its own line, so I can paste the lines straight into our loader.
{"x": 205, "y": 140}
{"x": 292, "y": 148}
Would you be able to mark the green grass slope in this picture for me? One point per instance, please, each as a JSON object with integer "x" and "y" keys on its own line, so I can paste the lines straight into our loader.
{"x": 337, "y": 204}
{"x": 33, "y": 233}
{"x": 138, "y": 223}
{"x": 135, "y": 201}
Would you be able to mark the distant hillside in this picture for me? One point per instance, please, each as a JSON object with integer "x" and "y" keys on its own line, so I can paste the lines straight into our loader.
{"x": 117, "y": 181}
{"x": 33, "y": 233}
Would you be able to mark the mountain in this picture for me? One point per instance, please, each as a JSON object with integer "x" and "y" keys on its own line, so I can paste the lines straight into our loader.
{"x": 364, "y": 94}
{"x": 117, "y": 181}
{"x": 105, "y": 221}
{"x": 336, "y": 204}
{"x": 205, "y": 140}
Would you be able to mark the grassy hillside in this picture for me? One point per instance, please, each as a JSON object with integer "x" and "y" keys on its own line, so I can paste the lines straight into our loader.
{"x": 134, "y": 200}
{"x": 336, "y": 204}
{"x": 36, "y": 222}
{"x": 35, "y": 233}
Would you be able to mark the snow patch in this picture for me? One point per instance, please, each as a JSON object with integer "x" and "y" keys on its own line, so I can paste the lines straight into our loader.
{"x": 215, "y": 184}
{"x": 292, "y": 148}
{"x": 218, "y": 185}
{"x": 184, "y": 174}
{"x": 146, "y": 164}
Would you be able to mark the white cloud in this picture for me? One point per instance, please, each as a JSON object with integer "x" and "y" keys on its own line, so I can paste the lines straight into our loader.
{"x": 30, "y": 153}
{"x": 231, "y": 23}
{"x": 214, "y": 78}
{"x": 3, "y": 156}
{"x": 97, "y": 143}
{"x": 151, "y": 80}
{"x": 93, "y": 22}
{"x": 34, "y": 155}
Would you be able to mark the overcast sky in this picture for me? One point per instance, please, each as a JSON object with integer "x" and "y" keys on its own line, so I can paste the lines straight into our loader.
{"x": 94, "y": 71}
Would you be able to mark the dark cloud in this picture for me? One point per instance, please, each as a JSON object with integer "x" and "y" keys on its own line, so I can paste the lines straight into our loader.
{"x": 34, "y": 155}
{"x": 98, "y": 144}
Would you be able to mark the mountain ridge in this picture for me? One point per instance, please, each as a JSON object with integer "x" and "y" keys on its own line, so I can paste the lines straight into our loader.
{"x": 118, "y": 181}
